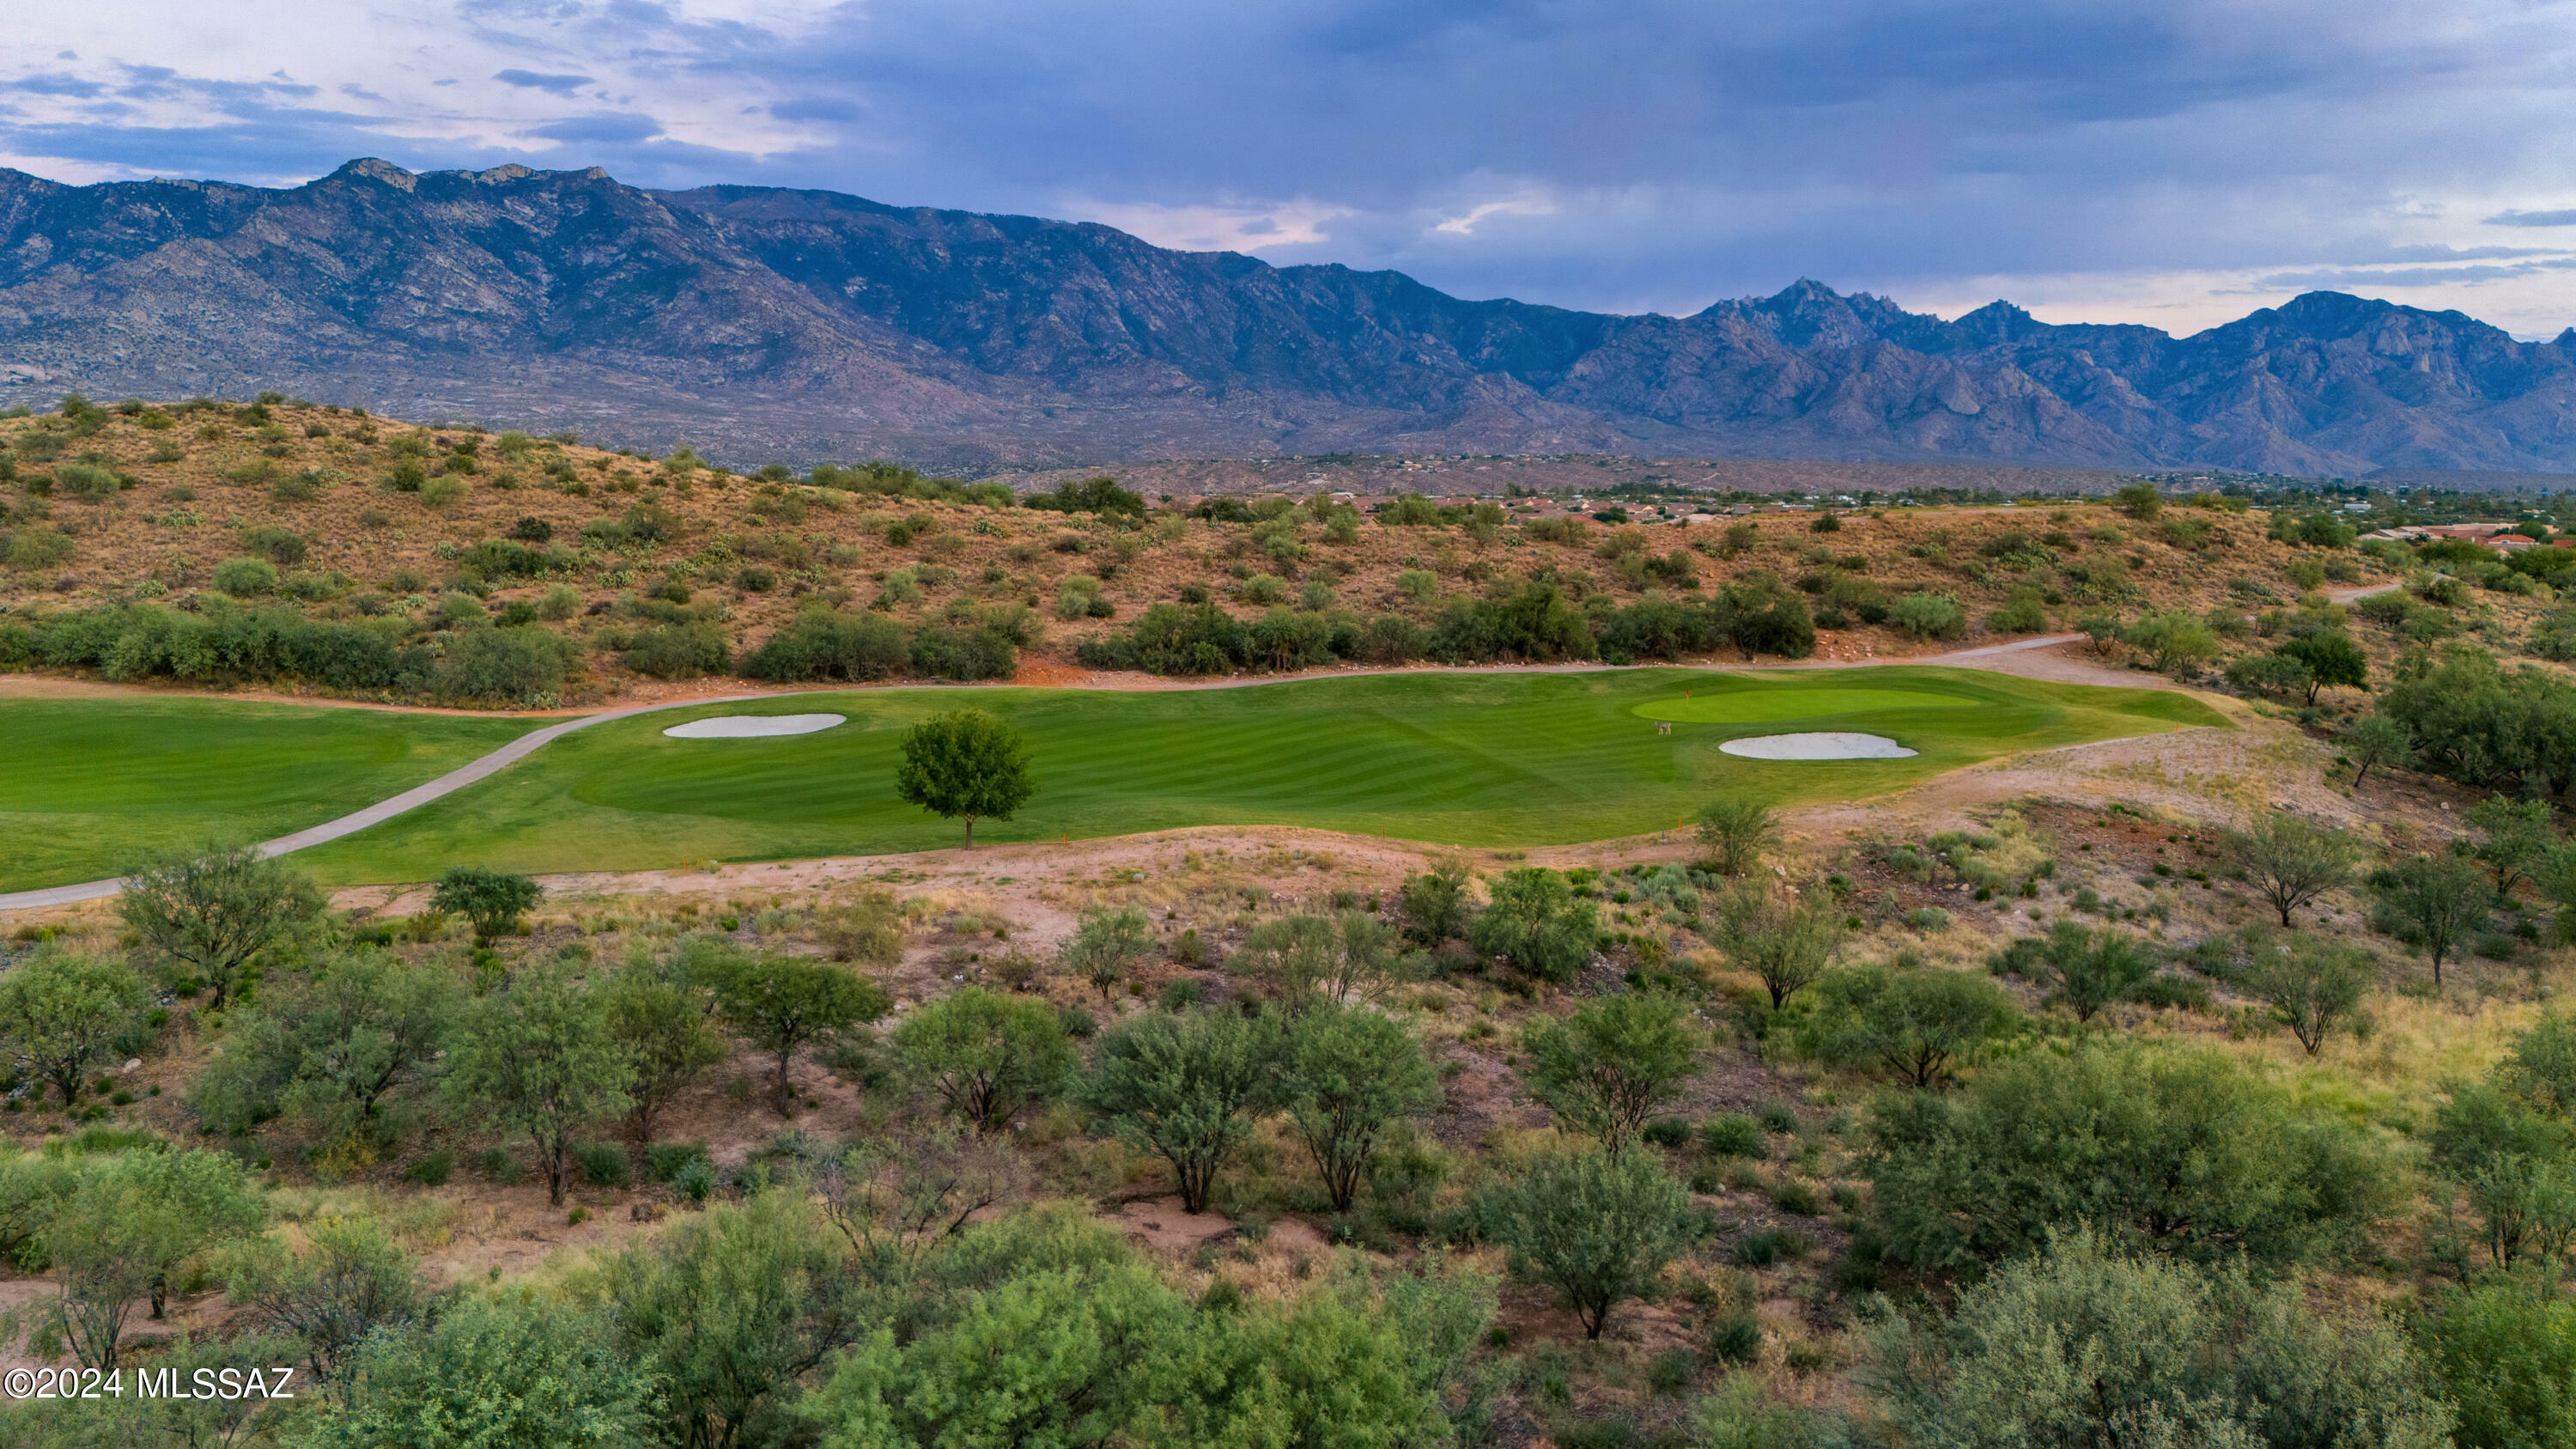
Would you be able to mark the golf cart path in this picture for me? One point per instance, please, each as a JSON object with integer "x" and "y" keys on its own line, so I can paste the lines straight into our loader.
{"x": 383, "y": 810}
{"x": 529, "y": 743}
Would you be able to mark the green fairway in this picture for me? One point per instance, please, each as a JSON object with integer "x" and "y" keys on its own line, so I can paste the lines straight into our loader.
{"x": 1791, "y": 699}
{"x": 85, "y": 781}
{"x": 1459, "y": 759}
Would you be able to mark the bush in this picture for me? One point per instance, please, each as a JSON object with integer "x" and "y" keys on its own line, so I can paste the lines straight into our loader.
{"x": 245, "y": 578}
{"x": 1930, "y": 616}
{"x": 2186, "y": 1355}
{"x": 86, "y": 482}
{"x": 2023, "y": 611}
{"x": 1597, "y": 1227}
{"x": 503, "y": 667}
{"x": 35, "y": 548}
{"x": 987, "y": 1055}
{"x": 603, "y": 1164}
{"x": 821, "y": 644}
{"x": 2175, "y": 641}
{"x": 679, "y": 651}
{"x": 1535, "y": 922}
{"x": 2172, "y": 1150}
{"x": 1732, "y": 1134}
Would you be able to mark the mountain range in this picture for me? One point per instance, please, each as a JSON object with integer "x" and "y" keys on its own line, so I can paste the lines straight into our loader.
{"x": 763, "y": 323}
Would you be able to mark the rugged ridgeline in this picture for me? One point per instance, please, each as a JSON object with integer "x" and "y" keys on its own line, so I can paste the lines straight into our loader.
{"x": 766, "y": 322}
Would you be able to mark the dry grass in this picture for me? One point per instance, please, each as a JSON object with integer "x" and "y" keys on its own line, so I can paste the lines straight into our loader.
{"x": 190, "y": 508}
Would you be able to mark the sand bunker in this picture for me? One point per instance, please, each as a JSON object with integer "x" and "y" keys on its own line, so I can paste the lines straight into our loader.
{"x": 1823, "y": 746}
{"x": 753, "y": 726}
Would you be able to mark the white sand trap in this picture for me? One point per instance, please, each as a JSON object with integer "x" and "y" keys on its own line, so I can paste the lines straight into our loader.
{"x": 1827, "y": 745}
{"x": 758, "y": 726}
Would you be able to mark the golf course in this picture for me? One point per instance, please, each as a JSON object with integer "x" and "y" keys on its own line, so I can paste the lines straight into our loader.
{"x": 1460, "y": 759}
{"x": 89, "y": 781}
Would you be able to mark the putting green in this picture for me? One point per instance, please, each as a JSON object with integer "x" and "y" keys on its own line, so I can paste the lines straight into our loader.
{"x": 1755, "y": 702}
{"x": 1460, "y": 759}
{"x": 84, "y": 782}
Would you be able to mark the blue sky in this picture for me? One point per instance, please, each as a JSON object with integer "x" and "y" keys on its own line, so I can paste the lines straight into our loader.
{"x": 2174, "y": 162}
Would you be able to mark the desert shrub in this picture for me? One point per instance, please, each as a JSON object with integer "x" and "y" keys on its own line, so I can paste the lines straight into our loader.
{"x": 2175, "y": 641}
{"x": 2173, "y": 1354}
{"x": 35, "y": 548}
{"x": 246, "y": 577}
{"x": 2172, "y": 1150}
{"x": 1927, "y": 615}
{"x": 679, "y": 651}
{"x": 494, "y": 666}
{"x": 980, "y": 651}
{"x": 279, "y": 546}
{"x": 822, "y": 644}
{"x": 86, "y": 482}
{"x": 2023, "y": 611}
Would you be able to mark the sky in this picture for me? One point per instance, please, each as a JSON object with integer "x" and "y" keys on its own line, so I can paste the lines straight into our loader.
{"x": 2172, "y": 162}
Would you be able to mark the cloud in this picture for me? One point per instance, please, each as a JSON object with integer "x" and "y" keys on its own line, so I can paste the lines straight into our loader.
{"x": 2167, "y": 157}
{"x": 1217, "y": 227}
{"x": 562, "y": 85}
{"x": 1528, "y": 203}
{"x": 608, "y": 128}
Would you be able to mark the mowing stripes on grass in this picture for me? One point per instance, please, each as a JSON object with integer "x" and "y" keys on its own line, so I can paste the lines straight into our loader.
{"x": 1458, "y": 759}
{"x": 87, "y": 781}
{"x": 1763, "y": 704}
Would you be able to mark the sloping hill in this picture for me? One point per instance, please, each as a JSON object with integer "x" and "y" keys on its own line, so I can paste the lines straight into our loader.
{"x": 762, "y": 322}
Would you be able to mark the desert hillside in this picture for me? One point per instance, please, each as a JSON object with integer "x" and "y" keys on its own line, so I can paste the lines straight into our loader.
{"x": 461, "y": 567}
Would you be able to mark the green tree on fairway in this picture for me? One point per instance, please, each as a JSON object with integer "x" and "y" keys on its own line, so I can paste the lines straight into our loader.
{"x": 985, "y": 1054}
{"x": 535, "y": 1058}
{"x": 1186, "y": 1088}
{"x": 216, "y": 909}
{"x": 1614, "y": 1063}
{"x": 1597, "y": 1227}
{"x": 784, "y": 1004}
{"x": 493, "y": 900}
{"x": 62, "y": 1011}
{"x": 1349, "y": 1075}
{"x": 965, "y": 765}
